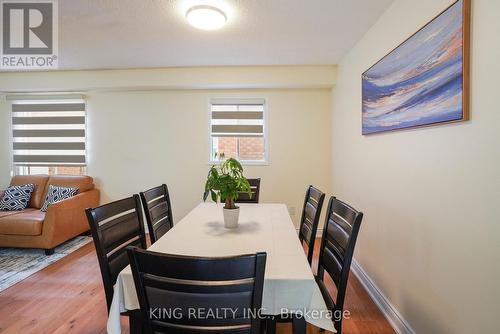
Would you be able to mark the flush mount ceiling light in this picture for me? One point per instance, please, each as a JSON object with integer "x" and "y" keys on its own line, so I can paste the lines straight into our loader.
{"x": 206, "y": 17}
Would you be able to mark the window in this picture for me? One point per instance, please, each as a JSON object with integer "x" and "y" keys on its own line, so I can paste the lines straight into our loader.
{"x": 238, "y": 129}
{"x": 48, "y": 136}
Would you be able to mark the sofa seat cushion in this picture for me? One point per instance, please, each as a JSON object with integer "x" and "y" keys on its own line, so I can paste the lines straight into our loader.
{"x": 10, "y": 213}
{"x": 27, "y": 222}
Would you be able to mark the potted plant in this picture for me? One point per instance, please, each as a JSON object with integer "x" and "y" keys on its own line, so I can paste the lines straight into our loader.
{"x": 225, "y": 181}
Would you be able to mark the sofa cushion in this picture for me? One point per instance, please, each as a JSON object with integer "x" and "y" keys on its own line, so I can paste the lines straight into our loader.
{"x": 16, "y": 198}
{"x": 27, "y": 222}
{"x": 39, "y": 181}
{"x": 10, "y": 213}
{"x": 56, "y": 194}
{"x": 82, "y": 182}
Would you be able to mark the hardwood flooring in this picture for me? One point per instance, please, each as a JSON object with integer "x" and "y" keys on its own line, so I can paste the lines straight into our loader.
{"x": 67, "y": 297}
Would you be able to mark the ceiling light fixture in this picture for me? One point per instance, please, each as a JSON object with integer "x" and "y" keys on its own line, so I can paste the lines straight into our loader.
{"x": 206, "y": 17}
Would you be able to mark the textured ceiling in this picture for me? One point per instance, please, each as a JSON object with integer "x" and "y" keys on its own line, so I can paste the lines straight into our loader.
{"x": 95, "y": 34}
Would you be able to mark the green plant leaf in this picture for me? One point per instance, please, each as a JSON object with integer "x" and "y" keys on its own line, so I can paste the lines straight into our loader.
{"x": 226, "y": 180}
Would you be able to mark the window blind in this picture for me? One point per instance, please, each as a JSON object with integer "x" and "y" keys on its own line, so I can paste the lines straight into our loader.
{"x": 48, "y": 133}
{"x": 242, "y": 118}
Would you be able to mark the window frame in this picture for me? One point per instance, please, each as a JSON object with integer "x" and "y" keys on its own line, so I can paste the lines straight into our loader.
{"x": 258, "y": 100}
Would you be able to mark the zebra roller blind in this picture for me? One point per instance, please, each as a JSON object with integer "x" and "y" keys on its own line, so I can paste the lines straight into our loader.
{"x": 238, "y": 118}
{"x": 49, "y": 133}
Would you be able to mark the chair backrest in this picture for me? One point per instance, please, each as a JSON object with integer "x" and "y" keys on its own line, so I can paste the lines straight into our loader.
{"x": 158, "y": 211}
{"x": 313, "y": 203}
{"x": 115, "y": 226}
{"x": 341, "y": 229}
{"x": 171, "y": 288}
{"x": 255, "y": 188}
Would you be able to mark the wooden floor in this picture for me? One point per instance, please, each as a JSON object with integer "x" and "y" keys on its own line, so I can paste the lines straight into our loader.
{"x": 67, "y": 297}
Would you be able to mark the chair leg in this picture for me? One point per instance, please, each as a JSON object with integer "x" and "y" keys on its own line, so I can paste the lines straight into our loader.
{"x": 271, "y": 325}
{"x": 49, "y": 251}
{"x": 338, "y": 326}
{"x": 298, "y": 325}
{"x": 135, "y": 322}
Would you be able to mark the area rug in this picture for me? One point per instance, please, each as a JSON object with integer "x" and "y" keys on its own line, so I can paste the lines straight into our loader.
{"x": 18, "y": 263}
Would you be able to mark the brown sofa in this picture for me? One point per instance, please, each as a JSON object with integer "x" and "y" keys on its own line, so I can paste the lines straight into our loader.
{"x": 31, "y": 228}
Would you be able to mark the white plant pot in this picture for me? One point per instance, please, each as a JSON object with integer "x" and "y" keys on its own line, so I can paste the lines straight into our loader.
{"x": 231, "y": 217}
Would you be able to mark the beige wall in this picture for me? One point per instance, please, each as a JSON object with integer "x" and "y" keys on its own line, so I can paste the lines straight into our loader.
{"x": 5, "y": 144}
{"x": 138, "y": 139}
{"x": 227, "y": 77}
{"x": 431, "y": 196}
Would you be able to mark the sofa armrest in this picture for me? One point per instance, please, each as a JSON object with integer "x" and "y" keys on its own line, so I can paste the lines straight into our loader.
{"x": 66, "y": 219}
{"x": 2, "y": 192}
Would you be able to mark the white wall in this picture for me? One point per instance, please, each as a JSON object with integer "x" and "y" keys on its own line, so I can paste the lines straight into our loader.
{"x": 431, "y": 196}
{"x": 141, "y": 138}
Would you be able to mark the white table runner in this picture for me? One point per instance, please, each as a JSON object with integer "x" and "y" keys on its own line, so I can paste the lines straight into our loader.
{"x": 288, "y": 283}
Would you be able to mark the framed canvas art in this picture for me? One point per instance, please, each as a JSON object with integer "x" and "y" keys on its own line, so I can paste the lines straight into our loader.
{"x": 423, "y": 81}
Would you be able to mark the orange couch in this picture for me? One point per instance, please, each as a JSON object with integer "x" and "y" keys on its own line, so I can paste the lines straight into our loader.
{"x": 31, "y": 228}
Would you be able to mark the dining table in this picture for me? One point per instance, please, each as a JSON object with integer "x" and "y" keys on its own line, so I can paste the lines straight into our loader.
{"x": 289, "y": 283}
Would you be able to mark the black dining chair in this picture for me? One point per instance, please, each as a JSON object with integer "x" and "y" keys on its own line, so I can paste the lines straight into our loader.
{"x": 254, "y": 188}
{"x": 245, "y": 197}
{"x": 179, "y": 286}
{"x": 341, "y": 229}
{"x": 158, "y": 211}
{"x": 311, "y": 212}
{"x": 115, "y": 226}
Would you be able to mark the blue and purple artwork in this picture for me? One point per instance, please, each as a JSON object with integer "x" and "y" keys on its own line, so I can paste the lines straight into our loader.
{"x": 421, "y": 82}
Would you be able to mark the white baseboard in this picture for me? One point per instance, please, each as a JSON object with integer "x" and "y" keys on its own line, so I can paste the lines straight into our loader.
{"x": 392, "y": 315}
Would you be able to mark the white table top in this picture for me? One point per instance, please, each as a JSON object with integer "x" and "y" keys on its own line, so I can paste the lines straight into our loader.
{"x": 289, "y": 282}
